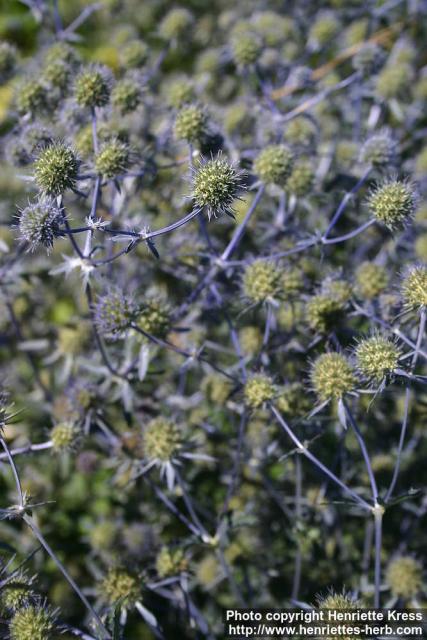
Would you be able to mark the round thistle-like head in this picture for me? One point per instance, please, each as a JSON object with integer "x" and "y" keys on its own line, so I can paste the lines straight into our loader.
{"x": 179, "y": 92}
{"x": 394, "y": 81}
{"x": 170, "y": 562}
{"x": 292, "y": 281}
{"x": 393, "y": 203}
{"x": 322, "y": 312}
{"x": 39, "y": 223}
{"x": 57, "y": 75}
{"x": 261, "y": 281}
{"x": 92, "y": 87}
{"x": 414, "y": 288}
{"x": 126, "y": 95}
{"x": 371, "y": 280}
{"x": 324, "y": 29}
{"x": 162, "y": 440}
{"x": 191, "y": 123}
{"x": 121, "y": 586}
{"x": 31, "y": 97}
{"x": 258, "y": 390}
{"x": 274, "y": 164}
{"x": 404, "y": 576}
{"x": 216, "y": 389}
{"x": 246, "y": 48}
{"x": 332, "y": 376}
{"x": 62, "y": 52}
{"x": 340, "y": 602}
{"x": 64, "y": 437}
{"x": 32, "y": 623}
{"x": 134, "y": 54}
{"x": 301, "y": 180}
{"x": 18, "y": 593}
{"x": 215, "y": 186}
{"x": 378, "y": 150}
{"x": 154, "y": 318}
{"x": 114, "y": 313}
{"x": 8, "y": 55}
{"x": 56, "y": 169}
{"x": 300, "y": 131}
{"x": 377, "y": 358}
{"x": 113, "y": 159}
{"x": 176, "y": 24}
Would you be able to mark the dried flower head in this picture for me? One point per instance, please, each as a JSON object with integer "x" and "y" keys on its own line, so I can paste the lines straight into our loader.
{"x": 113, "y": 159}
{"x": 162, "y": 440}
{"x": 32, "y": 623}
{"x": 40, "y": 222}
{"x": 121, "y": 586}
{"x": 191, "y": 123}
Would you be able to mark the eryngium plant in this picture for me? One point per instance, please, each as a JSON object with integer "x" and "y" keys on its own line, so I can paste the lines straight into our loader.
{"x": 213, "y": 292}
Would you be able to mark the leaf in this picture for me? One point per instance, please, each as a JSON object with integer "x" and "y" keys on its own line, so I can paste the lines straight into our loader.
{"x": 143, "y": 361}
{"x": 151, "y": 246}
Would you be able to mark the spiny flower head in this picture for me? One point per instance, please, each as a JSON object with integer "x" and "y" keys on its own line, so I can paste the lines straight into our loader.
{"x": 332, "y": 376}
{"x": 324, "y": 29}
{"x": 378, "y": 150}
{"x": 261, "y": 281}
{"x": 215, "y": 186}
{"x": 162, "y": 439}
{"x": 126, "y": 95}
{"x": 32, "y": 623}
{"x": 55, "y": 169}
{"x": 8, "y": 56}
{"x": 371, "y": 280}
{"x": 404, "y": 576}
{"x": 31, "y": 97}
{"x": 393, "y": 203}
{"x": 246, "y": 48}
{"x": 39, "y": 223}
{"x": 394, "y": 81}
{"x": 134, "y": 54}
{"x": 191, "y": 123}
{"x": 274, "y": 164}
{"x": 377, "y": 357}
{"x": 414, "y": 288}
{"x": 216, "y": 389}
{"x": 17, "y": 593}
{"x": 258, "y": 389}
{"x": 113, "y": 159}
{"x": 121, "y": 586}
{"x": 341, "y": 602}
{"x": 170, "y": 562}
{"x": 57, "y": 75}
{"x": 114, "y": 313}
{"x": 154, "y": 317}
{"x": 64, "y": 437}
{"x": 92, "y": 87}
{"x": 300, "y": 131}
{"x": 176, "y": 24}
{"x": 179, "y": 92}
{"x": 301, "y": 179}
